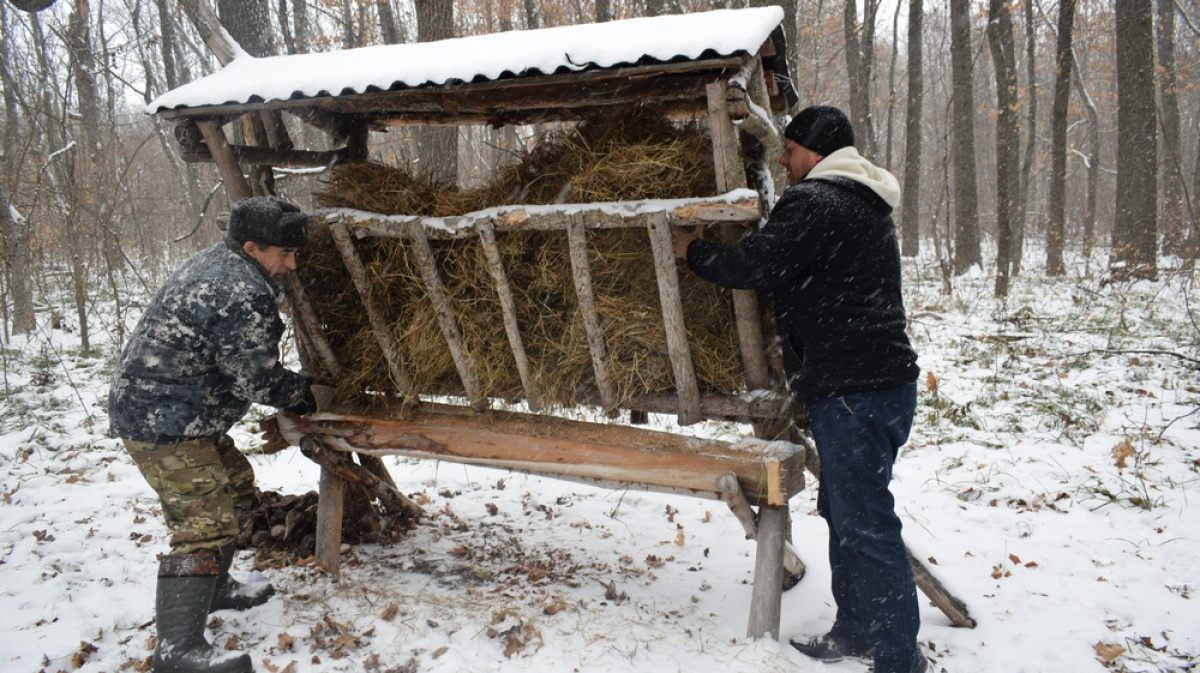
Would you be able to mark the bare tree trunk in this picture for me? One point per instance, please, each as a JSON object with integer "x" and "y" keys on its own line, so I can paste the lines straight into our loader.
{"x": 604, "y": 11}
{"x": 437, "y": 146}
{"x": 889, "y": 121}
{"x": 14, "y": 234}
{"x": 84, "y": 227}
{"x": 1031, "y": 115}
{"x": 966, "y": 186}
{"x": 248, "y": 22}
{"x": 1171, "y": 158}
{"x": 532, "y": 21}
{"x": 300, "y": 23}
{"x": 17, "y": 264}
{"x": 1134, "y": 253}
{"x": 860, "y": 66}
{"x": 910, "y": 209}
{"x": 388, "y": 28}
{"x": 1056, "y": 225}
{"x": 1093, "y": 159}
{"x": 1004, "y": 60}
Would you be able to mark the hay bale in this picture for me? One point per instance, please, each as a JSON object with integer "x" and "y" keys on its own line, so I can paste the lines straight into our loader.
{"x": 636, "y": 155}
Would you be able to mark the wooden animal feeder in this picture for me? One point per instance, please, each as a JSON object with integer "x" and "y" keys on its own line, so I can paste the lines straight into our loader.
{"x": 519, "y": 298}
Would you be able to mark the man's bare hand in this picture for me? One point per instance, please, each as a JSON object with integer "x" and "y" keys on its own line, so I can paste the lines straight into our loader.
{"x": 681, "y": 239}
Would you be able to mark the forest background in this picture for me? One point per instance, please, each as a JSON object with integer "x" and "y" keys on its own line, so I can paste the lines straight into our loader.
{"x": 1052, "y": 465}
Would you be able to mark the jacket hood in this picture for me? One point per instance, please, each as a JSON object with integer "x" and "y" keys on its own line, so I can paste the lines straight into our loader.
{"x": 848, "y": 163}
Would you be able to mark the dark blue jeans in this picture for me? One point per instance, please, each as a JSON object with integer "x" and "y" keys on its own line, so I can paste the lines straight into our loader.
{"x": 858, "y": 436}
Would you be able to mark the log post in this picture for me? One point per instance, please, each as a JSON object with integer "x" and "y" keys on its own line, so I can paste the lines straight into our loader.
{"x": 330, "y": 503}
{"x": 767, "y": 595}
{"x": 231, "y": 173}
{"x": 731, "y": 175}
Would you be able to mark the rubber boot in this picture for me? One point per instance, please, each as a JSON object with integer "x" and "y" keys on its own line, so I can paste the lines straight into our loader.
{"x": 231, "y": 594}
{"x": 185, "y": 589}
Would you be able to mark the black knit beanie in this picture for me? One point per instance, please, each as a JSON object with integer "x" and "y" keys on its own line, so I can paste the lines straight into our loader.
{"x": 267, "y": 220}
{"x": 823, "y": 129}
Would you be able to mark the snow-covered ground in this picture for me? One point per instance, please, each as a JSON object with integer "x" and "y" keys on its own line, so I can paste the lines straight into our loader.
{"x": 1048, "y": 482}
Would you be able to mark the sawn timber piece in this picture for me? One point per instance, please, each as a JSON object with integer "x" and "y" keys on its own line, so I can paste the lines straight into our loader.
{"x": 563, "y": 448}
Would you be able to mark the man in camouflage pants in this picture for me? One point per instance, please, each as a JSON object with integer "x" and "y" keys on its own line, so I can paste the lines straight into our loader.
{"x": 206, "y": 348}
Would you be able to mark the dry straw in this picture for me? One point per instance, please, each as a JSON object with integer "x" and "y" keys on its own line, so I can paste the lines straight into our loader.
{"x": 633, "y": 155}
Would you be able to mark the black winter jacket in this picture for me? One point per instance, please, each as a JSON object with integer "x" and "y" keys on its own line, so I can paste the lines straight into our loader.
{"x": 829, "y": 256}
{"x": 206, "y": 347}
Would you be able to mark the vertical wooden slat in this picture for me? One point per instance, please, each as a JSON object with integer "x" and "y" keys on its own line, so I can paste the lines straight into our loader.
{"x": 581, "y": 269}
{"x": 236, "y": 184}
{"x": 379, "y": 325}
{"x": 730, "y": 175}
{"x": 487, "y": 237}
{"x": 307, "y": 322}
{"x": 678, "y": 349}
{"x": 451, "y": 333}
{"x": 727, "y": 153}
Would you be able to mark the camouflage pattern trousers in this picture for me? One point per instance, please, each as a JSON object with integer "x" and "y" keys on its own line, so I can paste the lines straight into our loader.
{"x": 199, "y": 482}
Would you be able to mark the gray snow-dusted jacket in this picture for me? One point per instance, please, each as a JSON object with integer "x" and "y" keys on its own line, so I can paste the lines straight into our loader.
{"x": 206, "y": 347}
{"x": 828, "y": 254}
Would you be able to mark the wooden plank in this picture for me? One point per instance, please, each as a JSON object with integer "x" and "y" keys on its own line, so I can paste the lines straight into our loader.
{"x": 451, "y": 332}
{"x": 550, "y": 446}
{"x": 581, "y": 269}
{"x": 508, "y": 308}
{"x": 236, "y": 184}
{"x": 379, "y": 324}
{"x": 766, "y": 596}
{"x": 626, "y": 215}
{"x": 686, "y": 385}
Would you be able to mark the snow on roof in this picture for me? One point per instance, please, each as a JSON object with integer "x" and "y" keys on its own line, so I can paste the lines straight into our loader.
{"x": 479, "y": 58}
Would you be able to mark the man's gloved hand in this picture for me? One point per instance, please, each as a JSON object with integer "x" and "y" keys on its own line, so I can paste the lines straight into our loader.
{"x": 306, "y": 406}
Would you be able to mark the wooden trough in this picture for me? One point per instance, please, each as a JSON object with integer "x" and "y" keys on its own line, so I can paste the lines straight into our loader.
{"x": 735, "y": 88}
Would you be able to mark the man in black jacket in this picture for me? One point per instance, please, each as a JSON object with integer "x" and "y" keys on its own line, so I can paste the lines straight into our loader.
{"x": 829, "y": 257}
{"x": 205, "y": 349}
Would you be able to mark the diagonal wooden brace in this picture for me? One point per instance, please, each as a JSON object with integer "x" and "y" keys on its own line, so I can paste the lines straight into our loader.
{"x": 732, "y": 495}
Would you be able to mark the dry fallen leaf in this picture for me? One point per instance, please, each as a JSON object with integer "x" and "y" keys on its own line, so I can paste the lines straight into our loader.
{"x": 1123, "y": 451}
{"x": 390, "y": 613}
{"x": 1108, "y": 652}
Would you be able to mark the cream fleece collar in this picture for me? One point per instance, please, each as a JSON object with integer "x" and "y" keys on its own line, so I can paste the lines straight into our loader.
{"x": 848, "y": 163}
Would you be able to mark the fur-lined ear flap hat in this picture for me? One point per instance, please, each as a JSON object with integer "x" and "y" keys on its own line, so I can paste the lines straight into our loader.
{"x": 823, "y": 129}
{"x": 268, "y": 220}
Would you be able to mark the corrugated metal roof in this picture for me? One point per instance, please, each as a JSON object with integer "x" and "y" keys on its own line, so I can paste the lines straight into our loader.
{"x": 479, "y": 59}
